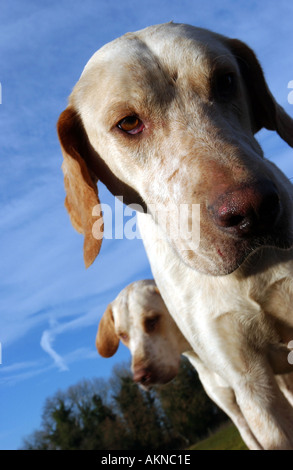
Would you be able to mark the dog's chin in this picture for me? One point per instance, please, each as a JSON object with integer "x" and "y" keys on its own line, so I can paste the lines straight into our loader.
{"x": 226, "y": 258}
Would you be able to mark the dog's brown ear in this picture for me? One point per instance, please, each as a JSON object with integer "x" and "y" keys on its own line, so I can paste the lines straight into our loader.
{"x": 80, "y": 183}
{"x": 107, "y": 341}
{"x": 265, "y": 111}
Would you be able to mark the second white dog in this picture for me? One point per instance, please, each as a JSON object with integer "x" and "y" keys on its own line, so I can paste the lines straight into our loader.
{"x": 139, "y": 318}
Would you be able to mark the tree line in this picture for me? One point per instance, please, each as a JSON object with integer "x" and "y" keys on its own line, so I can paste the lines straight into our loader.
{"x": 118, "y": 415}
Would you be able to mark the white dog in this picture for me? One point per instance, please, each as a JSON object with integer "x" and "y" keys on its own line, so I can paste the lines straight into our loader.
{"x": 166, "y": 118}
{"x": 140, "y": 319}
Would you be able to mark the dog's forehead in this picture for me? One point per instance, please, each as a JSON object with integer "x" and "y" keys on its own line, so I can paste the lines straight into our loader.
{"x": 146, "y": 69}
{"x": 164, "y": 40}
{"x": 136, "y": 302}
{"x": 176, "y": 42}
{"x": 144, "y": 302}
{"x": 169, "y": 47}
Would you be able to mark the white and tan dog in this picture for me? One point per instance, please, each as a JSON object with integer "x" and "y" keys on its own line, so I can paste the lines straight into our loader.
{"x": 140, "y": 319}
{"x": 166, "y": 117}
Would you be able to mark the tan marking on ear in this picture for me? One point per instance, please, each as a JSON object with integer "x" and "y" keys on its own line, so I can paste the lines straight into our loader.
{"x": 80, "y": 184}
{"x": 107, "y": 341}
{"x": 266, "y": 112}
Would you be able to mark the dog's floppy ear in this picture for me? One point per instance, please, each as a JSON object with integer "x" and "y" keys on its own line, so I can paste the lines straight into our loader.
{"x": 107, "y": 340}
{"x": 80, "y": 183}
{"x": 265, "y": 111}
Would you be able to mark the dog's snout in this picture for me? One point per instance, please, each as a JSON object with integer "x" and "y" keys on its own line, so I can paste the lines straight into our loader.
{"x": 142, "y": 376}
{"x": 248, "y": 210}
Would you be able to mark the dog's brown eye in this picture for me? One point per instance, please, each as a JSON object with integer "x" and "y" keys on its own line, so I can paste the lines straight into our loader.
{"x": 225, "y": 85}
{"x": 151, "y": 323}
{"x": 131, "y": 125}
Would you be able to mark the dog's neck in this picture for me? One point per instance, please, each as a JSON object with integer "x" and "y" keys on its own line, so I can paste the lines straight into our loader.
{"x": 182, "y": 286}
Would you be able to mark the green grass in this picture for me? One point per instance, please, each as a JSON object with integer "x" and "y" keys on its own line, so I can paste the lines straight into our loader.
{"x": 226, "y": 438}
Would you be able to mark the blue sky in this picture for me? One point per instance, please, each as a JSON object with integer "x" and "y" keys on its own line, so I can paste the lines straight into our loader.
{"x": 49, "y": 304}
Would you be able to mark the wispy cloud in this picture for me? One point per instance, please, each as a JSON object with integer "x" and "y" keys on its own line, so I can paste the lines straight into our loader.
{"x": 17, "y": 376}
{"x": 18, "y": 367}
{"x": 22, "y": 372}
{"x": 46, "y": 343}
{"x": 56, "y": 329}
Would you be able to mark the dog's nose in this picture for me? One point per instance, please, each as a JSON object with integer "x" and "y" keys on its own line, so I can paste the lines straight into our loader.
{"x": 247, "y": 210}
{"x": 142, "y": 376}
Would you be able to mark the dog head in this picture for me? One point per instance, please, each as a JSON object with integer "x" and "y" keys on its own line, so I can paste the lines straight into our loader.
{"x": 166, "y": 117}
{"x": 139, "y": 318}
